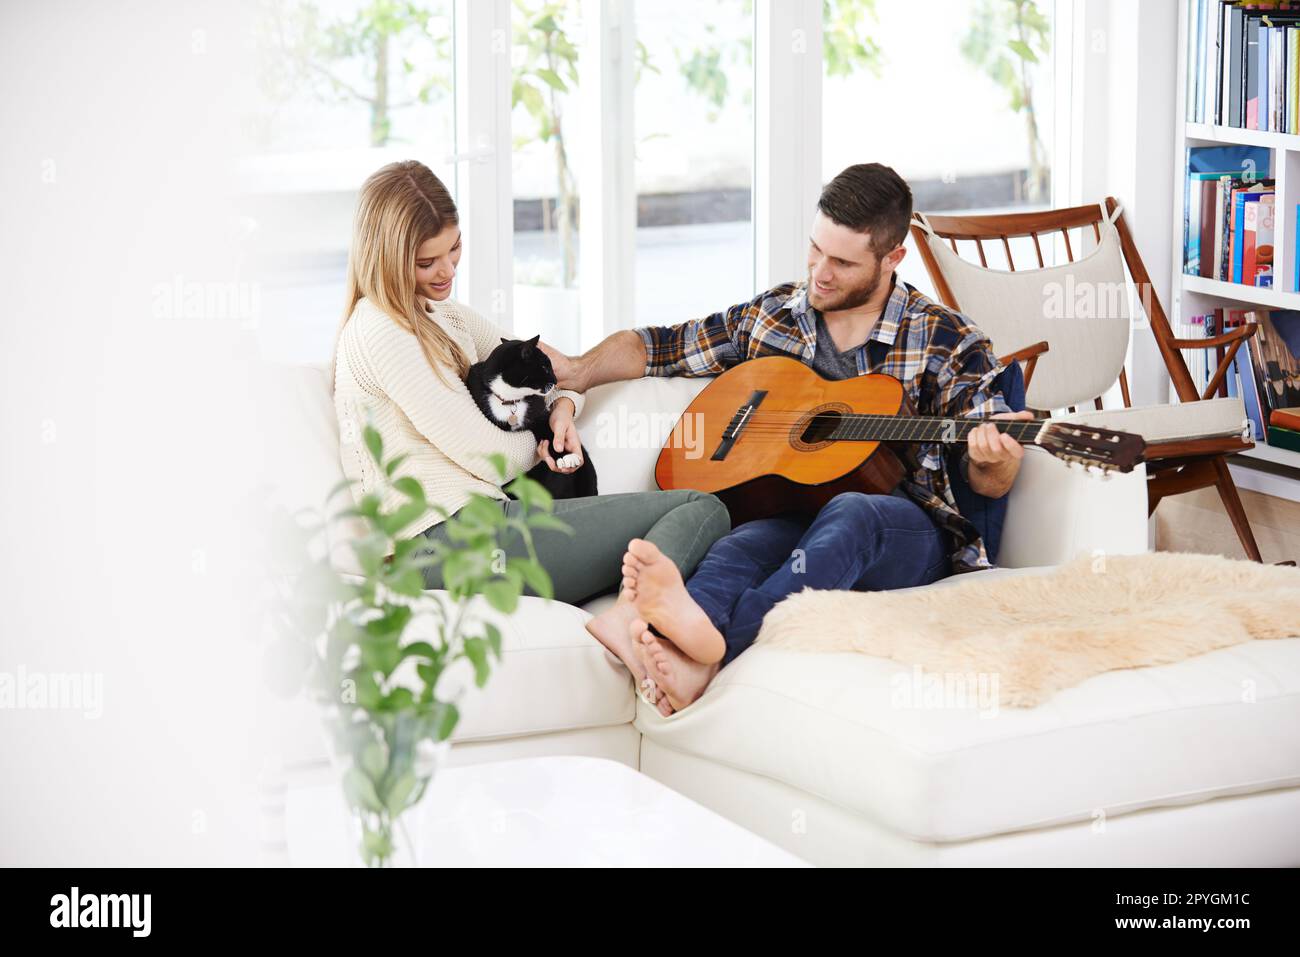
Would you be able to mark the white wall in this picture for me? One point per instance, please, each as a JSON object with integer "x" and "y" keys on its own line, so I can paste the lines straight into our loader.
{"x": 1122, "y": 142}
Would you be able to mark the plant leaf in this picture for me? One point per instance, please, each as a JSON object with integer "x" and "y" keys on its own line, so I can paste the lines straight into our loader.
{"x": 375, "y": 443}
{"x": 360, "y": 790}
{"x": 501, "y": 595}
{"x": 372, "y": 760}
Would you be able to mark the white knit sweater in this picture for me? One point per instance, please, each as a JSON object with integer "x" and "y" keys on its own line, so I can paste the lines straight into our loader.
{"x": 382, "y": 377}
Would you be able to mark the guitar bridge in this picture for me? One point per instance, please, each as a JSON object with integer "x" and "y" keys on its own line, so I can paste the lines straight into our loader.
{"x": 737, "y": 424}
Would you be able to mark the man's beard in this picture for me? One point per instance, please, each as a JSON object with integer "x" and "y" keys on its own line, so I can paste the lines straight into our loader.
{"x": 852, "y": 298}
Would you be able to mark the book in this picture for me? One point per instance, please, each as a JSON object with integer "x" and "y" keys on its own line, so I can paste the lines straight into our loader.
{"x": 1275, "y": 346}
{"x": 1202, "y": 229}
{"x": 1286, "y": 418}
{"x": 1293, "y": 79}
{"x": 1198, "y": 203}
{"x": 1214, "y": 63}
{"x": 1242, "y": 196}
{"x": 1222, "y": 193}
{"x": 1256, "y": 74}
{"x": 1281, "y": 438}
{"x": 1257, "y": 242}
{"x": 1243, "y": 68}
{"x": 1249, "y": 387}
{"x": 1232, "y": 319}
{"x": 1242, "y": 64}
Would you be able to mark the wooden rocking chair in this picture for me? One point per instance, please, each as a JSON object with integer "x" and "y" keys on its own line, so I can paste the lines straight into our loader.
{"x": 1187, "y": 443}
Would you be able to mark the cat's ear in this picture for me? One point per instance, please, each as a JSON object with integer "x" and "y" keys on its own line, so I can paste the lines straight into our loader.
{"x": 504, "y": 339}
{"x": 533, "y": 341}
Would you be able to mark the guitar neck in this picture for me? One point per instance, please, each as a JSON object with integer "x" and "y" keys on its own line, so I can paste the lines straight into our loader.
{"x": 925, "y": 429}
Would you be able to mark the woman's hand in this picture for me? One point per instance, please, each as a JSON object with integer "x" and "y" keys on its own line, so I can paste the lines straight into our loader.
{"x": 567, "y": 444}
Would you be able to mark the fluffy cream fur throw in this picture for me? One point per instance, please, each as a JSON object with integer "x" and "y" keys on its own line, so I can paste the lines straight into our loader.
{"x": 1042, "y": 633}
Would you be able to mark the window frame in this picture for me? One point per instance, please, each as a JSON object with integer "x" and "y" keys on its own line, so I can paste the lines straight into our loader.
{"x": 788, "y": 68}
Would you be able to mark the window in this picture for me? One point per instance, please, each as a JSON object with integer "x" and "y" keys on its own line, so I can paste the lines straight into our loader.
{"x": 957, "y": 96}
{"x": 609, "y": 173}
{"x": 546, "y": 125}
{"x": 686, "y": 152}
{"x": 342, "y": 87}
{"x": 694, "y": 157}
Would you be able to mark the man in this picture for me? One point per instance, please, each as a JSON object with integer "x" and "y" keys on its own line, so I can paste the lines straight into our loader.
{"x": 851, "y": 316}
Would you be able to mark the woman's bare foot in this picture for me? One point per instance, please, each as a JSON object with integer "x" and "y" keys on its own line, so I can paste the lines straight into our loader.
{"x": 681, "y": 679}
{"x": 611, "y": 629}
{"x": 660, "y": 596}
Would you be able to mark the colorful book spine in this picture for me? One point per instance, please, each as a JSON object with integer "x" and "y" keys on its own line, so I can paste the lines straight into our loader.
{"x": 1243, "y": 64}
{"x": 1223, "y": 230}
{"x": 1241, "y": 198}
{"x": 1260, "y": 272}
{"x": 1293, "y": 79}
{"x": 1259, "y": 115}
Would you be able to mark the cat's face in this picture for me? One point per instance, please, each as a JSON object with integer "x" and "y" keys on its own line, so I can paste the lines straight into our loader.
{"x": 521, "y": 365}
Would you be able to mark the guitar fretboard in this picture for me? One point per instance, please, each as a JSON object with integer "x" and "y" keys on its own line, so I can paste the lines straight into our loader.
{"x": 901, "y": 428}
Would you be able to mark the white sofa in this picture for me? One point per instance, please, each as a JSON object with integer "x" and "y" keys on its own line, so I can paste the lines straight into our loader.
{"x": 1196, "y": 763}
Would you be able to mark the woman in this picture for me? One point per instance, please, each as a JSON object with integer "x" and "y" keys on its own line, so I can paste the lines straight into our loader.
{"x": 400, "y": 360}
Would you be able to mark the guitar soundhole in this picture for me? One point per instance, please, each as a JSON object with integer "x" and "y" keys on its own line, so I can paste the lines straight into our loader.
{"x": 814, "y": 432}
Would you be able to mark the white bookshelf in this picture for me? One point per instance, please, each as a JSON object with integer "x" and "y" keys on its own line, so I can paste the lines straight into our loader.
{"x": 1196, "y": 295}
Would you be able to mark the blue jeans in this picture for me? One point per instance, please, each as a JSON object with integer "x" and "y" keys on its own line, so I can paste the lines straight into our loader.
{"x": 857, "y": 541}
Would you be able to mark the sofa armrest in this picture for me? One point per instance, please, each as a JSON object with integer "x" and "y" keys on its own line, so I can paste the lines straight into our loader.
{"x": 1056, "y": 513}
{"x": 553, "y": 677}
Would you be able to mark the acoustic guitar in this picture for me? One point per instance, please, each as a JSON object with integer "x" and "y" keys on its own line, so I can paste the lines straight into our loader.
{"x": 772, "y": 436}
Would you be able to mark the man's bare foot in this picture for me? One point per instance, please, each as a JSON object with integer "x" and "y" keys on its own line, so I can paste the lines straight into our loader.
{"x": 611, "y": 629}
{"x": 660, "y": 596}
{"x": 681, "y": 679}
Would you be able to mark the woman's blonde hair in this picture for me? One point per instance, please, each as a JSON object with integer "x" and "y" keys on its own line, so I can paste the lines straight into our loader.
{"x": 401, "y": 205}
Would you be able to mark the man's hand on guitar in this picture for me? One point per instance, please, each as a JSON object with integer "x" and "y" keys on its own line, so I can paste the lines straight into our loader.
{"x": 994, "y": 457}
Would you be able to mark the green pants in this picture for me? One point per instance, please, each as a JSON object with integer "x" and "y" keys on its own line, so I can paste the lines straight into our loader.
{"x": 589, "y": 562}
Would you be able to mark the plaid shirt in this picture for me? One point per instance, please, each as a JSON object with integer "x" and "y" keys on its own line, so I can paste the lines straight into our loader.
{"x": 946, "y": 365}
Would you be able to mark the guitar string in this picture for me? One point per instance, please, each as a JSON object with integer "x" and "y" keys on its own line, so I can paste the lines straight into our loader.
{"x": 778, "y": 423}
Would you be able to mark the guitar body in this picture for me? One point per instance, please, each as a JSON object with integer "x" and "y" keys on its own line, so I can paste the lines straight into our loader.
{"x": 774, "y": 459}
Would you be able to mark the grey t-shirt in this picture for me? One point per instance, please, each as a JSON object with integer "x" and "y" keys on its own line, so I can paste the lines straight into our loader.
{"x": 828, "y": 361}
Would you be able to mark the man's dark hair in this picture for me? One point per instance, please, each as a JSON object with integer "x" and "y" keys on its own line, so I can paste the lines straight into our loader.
{"x": 870, "y": 198}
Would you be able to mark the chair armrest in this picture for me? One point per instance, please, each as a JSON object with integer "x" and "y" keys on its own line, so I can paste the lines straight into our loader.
{"x": 1028, "y": 352}
{"x": 1056, "y": 513}
{"x": 1241, "y": 332}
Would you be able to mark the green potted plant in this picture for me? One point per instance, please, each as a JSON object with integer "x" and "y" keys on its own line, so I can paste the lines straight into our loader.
{"x": 355, "y": 642}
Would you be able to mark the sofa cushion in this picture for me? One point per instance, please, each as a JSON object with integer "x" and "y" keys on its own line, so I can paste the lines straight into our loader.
{"x": 624, "y": 426}
{"x": 886, "y": 747}
{"x": 553, "y": 676}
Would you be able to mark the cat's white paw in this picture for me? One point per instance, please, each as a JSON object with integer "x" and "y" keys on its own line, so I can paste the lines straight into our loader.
{"x": 570, "y": 461}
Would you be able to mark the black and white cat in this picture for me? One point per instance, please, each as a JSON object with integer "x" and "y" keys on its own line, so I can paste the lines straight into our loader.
{"x": 510, "y": 386}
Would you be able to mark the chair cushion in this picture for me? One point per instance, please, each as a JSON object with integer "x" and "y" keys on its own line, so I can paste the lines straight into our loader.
{"x": 1169, "y": 423}
{"x": 1217, "y": 724}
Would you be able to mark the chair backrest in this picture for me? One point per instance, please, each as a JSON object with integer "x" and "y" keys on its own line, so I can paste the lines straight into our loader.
{"x": 1080, "y": 307}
